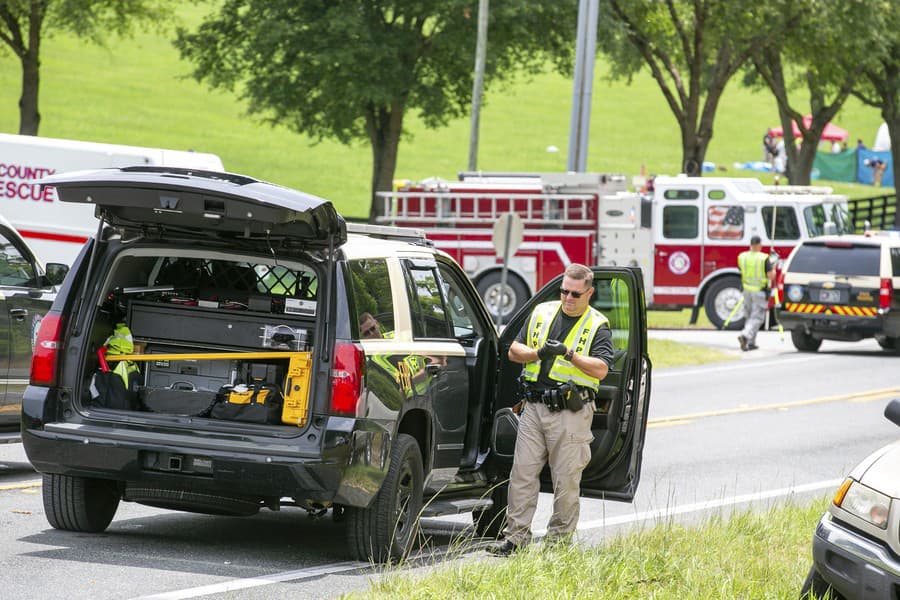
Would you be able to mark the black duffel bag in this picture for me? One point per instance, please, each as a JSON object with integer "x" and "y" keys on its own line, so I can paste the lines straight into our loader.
{"x": 261, "y": 403}
{"x": 180, "y": 398}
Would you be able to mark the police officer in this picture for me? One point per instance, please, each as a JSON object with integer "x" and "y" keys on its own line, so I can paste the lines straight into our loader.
{"x": 757, "y": 273}
{"x": 561, "y": 379}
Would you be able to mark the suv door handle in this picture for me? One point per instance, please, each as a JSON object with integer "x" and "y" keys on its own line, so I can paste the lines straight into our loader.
{"x": 433, "y": 369}
{"x": 18, "y": 313}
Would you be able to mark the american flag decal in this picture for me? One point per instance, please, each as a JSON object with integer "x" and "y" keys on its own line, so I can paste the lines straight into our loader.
{"x": 725, "y": 222}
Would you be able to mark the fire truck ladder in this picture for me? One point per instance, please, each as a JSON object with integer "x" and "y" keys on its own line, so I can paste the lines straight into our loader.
{"x": 446, "y": 208}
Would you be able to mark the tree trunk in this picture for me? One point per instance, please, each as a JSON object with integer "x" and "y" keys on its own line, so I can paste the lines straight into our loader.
{"x": 693, "y": 152}
{"x": 29, "y": 117}
{"x": 801, "y": 167}
{"x": 893, "y": 123}
{"x": 384, "y": 125}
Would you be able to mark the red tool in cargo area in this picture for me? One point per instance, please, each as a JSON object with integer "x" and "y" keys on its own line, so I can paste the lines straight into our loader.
{"x": 685, "y": 233}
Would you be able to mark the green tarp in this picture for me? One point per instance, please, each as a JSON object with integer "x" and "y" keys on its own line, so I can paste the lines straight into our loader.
{"x": 836, "y": 167}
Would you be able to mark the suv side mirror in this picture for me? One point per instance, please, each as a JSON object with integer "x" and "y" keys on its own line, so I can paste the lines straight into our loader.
{"x": 829, "y": 228}
{"x": 56, "y": 273}
{"x": 892, "y": 411}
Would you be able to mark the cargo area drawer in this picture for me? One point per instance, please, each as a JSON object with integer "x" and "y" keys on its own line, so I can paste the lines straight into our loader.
{"x": 227, "y": 328}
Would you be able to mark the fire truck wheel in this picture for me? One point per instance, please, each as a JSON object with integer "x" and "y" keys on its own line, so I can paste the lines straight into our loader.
{"x": 721, "y": 298}
{"x": 515, "y": 297}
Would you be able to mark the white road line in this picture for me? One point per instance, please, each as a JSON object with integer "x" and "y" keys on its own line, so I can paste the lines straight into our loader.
{"x": 652, "y": 515}
{"x": 721, "y": 367}
{"x": 240, "y": 584}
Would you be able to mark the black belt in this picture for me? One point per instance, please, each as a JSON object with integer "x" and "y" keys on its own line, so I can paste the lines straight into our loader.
{"x": 565, "y": 396}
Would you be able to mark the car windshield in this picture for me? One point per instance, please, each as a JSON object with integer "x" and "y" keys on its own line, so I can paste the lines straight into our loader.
{"x": 822, "y": 216}
{"x": 845, "y": 259}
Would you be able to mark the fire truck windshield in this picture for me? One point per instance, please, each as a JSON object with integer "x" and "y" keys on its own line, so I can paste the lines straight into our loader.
{"x": 828, "y": 218}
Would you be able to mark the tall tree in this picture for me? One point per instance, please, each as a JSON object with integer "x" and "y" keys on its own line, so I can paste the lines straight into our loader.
{"x": 826, "y": 53}
{"x": 351, "y": 69}
{"x": 693, "y": 48}
{"x": 879, "y": 85}
{"x": 24, "y": 24}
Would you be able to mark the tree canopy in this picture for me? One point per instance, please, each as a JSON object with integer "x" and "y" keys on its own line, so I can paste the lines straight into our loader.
{"x": 24, "y": 24}
{"x": 693, "y": 49}
{"x": 809, "y": 58}
{"x": 879, "y": 84}
{"x": 351, "y": 69}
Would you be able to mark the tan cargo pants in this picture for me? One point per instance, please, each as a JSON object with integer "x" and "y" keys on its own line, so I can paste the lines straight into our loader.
{"x": 563, "y": 439}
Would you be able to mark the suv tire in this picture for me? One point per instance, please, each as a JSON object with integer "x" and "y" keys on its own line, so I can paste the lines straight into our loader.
{"x": 79, "y": 503}
{"x": 387, "y": 529}
{"x": 804, "y": 342}
{"x": 489, "y": 523}
{"x": 716, "y": 303}
{"x": 889, "y": 343}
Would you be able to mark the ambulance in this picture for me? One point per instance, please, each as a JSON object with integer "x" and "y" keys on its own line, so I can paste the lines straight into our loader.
{"x": 56, "y": 231}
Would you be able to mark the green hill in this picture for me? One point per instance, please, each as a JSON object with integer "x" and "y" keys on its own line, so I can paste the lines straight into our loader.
{"x": 139, "y": 92}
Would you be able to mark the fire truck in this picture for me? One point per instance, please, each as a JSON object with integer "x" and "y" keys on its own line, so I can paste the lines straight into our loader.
{"x": 685, "y": 233}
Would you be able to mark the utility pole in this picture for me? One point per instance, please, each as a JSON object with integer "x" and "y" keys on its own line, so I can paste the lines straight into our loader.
{"x": 585, "y": 50}
{"x": 478, "y": 83}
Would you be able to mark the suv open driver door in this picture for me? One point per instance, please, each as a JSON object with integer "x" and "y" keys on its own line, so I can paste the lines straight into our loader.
{"x": 620, "y": 418}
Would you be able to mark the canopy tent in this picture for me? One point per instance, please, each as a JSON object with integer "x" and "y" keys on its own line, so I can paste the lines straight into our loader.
{"x": 831, "y": 132}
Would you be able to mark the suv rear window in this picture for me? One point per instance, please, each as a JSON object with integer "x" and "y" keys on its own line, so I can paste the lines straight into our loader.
{"x": 840, "y": 260}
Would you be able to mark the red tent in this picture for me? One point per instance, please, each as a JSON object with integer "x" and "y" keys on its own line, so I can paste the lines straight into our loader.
{"x": 831, "y": 132}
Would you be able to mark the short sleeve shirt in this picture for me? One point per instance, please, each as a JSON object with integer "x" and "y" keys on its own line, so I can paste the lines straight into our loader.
{"x": 601, "y": 346}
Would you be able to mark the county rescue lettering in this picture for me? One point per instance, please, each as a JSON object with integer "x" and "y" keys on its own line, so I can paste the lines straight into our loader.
{"x": 17, "y": 181}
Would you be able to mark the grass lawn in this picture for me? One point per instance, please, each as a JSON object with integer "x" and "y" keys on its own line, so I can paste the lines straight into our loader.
{"x": 666, "y": 353}
{"x": 138, "y": 92}
{"x": 749, "y": 555}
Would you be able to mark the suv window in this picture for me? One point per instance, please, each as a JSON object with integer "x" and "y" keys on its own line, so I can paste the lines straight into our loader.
{"x": 373, "y": 302}
{"x": 611, "y": 297}
{"x": 15, "y": 269}
{"x": 429, "y": 318}
{"x": 846, "y": 259}
{"x": 459, "y": 305}
{"x": 895, "y": 261}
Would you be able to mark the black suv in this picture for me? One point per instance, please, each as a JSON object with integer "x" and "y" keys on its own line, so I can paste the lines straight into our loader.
{"x": 393, "y": 384}
{"x": 26, "y": 293}
{"x": 843, "y": 288}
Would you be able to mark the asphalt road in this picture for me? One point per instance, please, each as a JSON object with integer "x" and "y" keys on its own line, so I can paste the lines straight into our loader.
{"x": 773, "y": 426}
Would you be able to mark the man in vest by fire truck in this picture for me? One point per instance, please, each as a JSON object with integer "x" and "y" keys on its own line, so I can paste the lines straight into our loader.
{"x": 757, "y": 275}
{"x": 560, "y": 383}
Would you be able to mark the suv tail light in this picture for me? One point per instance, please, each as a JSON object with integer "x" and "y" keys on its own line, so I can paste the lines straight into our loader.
{"x": 885, "y": 293}
{"x": 346, "y": 378}
{"x": 43, "y": 360}
{"x": 779, "y": 283}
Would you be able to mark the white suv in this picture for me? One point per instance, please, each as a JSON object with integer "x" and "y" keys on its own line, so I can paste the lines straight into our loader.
{"x": 857, "y": 542}
{"x": 842, "y": 288}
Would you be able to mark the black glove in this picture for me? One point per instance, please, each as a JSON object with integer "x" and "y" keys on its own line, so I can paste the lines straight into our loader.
{"x": 551, "y": 348}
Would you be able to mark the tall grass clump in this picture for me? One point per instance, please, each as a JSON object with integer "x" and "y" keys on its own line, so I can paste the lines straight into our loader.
{"x": 753, "y": 554}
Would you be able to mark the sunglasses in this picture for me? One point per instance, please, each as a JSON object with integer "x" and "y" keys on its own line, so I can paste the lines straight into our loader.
{"x": 575, "y": 295}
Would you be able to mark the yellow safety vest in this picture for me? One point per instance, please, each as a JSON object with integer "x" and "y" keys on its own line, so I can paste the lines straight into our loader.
{"x": 579, "y": 339}
{"x": 753, "y": 270}
{"x": 121, "y": 342}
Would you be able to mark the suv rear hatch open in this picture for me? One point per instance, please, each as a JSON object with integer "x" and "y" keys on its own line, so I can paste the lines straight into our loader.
{"x": 202, "y": 203}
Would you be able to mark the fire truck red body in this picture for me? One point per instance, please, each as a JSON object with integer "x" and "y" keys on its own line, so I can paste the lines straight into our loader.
{"x": 685, "y": 233}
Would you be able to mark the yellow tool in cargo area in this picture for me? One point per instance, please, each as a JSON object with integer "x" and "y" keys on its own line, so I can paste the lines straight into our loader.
{"x": 296, "y": 383}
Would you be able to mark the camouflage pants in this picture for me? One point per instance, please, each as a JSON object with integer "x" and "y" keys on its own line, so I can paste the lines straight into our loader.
{"x": 563, "y": 439}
